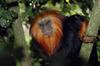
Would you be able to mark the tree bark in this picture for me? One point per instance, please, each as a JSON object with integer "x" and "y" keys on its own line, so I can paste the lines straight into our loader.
{"x": 20, "y": 37}
{"x": 92, "y": 30}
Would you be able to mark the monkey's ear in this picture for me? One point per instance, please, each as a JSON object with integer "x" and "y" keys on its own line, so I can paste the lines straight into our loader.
{"x": 83, "y": 29}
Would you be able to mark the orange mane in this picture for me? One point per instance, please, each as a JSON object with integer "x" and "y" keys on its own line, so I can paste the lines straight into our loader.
{"x": 51, "y": 43}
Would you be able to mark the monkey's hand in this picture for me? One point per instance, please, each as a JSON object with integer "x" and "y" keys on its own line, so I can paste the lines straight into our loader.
{"x": 88, "y": 39}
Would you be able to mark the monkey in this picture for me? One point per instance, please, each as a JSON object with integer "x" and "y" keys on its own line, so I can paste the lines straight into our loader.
{"x": 58, "y": 38}
{"x": 47, "y": 28}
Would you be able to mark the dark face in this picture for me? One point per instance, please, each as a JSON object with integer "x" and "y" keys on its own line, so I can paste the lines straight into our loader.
{"x": 46, "y": 27}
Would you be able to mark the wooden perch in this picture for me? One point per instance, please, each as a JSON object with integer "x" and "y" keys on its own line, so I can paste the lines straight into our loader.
{"x": 92, "y": 30}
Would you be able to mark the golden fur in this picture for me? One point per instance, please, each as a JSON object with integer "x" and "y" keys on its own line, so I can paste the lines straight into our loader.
{"x": 51, "y": 43}
{"x": 83, "y": 29}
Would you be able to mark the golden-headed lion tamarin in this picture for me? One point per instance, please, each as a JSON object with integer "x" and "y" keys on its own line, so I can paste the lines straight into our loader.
{"x": 58, "y": 37}
{"x": 47, "y": 30}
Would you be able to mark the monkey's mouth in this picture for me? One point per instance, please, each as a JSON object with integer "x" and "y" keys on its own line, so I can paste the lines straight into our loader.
{"x": 48, "y": 33}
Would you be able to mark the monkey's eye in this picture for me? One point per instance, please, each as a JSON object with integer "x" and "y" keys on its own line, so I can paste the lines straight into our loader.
{"x": 40, "y": 24}
{"x": 48, "y": 23}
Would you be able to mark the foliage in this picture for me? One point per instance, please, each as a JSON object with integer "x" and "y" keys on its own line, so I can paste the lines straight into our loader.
{"x": 6, "y": 17}
{"x": 98, "y": 45}
{"x": 5, "y": 47}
